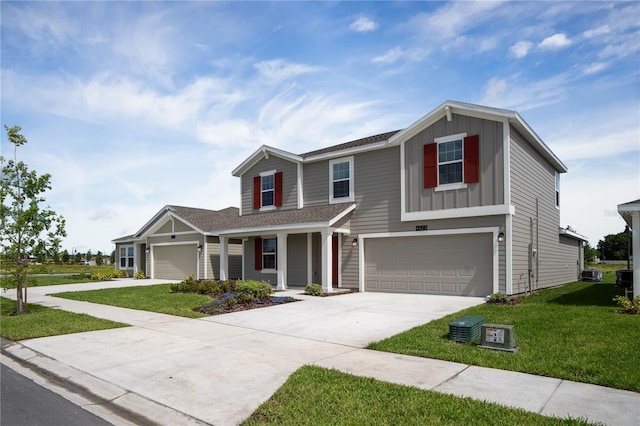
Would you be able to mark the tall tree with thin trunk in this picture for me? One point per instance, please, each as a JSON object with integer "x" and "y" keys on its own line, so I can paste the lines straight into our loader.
{"x": 28, "y": 228}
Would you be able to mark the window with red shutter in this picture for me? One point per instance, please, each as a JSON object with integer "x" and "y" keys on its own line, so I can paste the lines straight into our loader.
{"x": 472, "y": 159}
{"x": 430, "y": 165}
{"x": 278, "y": 189}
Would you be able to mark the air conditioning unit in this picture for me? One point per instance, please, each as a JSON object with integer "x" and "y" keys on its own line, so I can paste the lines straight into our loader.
{"x": 499, "y": 337}
{"x": 465, "y": 329}
{"x": 591, "y": 275}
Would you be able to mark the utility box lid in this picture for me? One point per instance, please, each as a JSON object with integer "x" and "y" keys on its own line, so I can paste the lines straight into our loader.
{"x": 465, "y": 329}
{"x": 498, "y": 336}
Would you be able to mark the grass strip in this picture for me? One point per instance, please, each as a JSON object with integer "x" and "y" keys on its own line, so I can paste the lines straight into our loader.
{"x": 318, "y": 396}
{"x": 41, "y": 321}
{"x": 154, "y": 298}
{"x": 572, "y": 332}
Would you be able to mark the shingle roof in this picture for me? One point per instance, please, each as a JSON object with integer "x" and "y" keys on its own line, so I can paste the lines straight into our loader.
{"x": 352, "y": 144}
{"x": 207, "y": 220}
{"x": 312, "y": 215}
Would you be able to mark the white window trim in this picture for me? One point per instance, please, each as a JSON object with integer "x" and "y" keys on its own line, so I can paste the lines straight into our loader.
{"x": 351, "y": 196}
{"x": 275, "y": 256}
{"x": 127, "y": 257}
{"x": 455, "y": 185}
{"x": 272, "y": 206}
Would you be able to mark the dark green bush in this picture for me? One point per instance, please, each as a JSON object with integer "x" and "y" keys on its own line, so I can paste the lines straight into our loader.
{"x": 248, "y": 290}
{"x": 313, "y": 289}
{"x": 628, "y": 306}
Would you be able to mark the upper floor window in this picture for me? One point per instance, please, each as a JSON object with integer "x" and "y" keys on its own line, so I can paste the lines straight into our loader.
{"x": 341, "y": 180}
{"x": 451, "y": 162}
{"x": 267, "y": 190}
{"x": 557, "y": 190}
{"x": 126, "y": 257}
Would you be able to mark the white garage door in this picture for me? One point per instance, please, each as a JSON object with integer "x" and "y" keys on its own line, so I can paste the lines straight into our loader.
{"x": 174, "y": 262}
{"x": 452, "y": 264}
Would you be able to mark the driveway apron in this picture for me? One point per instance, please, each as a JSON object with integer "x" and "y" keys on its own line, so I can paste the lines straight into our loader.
{"x": 219, "y": 369}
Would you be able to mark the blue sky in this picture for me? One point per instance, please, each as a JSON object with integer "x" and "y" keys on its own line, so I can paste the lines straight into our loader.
{"x": 131, "y": 106}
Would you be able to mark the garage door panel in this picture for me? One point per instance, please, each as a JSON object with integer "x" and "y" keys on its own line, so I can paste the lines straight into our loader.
{"x": 174, "y": 262}
{"x": 454, "y": 264}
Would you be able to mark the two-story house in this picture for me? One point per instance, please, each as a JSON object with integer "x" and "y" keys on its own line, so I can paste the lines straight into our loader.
{"x": 465, "y": 201}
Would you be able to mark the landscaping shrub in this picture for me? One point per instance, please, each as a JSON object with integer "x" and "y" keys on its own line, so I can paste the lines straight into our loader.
{"x": 140, "y": 275}
{"x": 628, "y": 306}
{"x": 501, "y": 299}
{"x": 119, "y": 273}
{"x": 313, "y": 289}
{"x": 248, "y": 290}
{"x": 277, "y": 300}
{"x": 211, "y": 308}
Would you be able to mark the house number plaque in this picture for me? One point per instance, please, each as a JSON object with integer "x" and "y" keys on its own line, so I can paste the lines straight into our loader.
{"x": 421, "y": 227}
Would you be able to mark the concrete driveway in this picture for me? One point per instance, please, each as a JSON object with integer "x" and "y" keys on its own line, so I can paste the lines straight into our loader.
{"x": 219, "y": 369}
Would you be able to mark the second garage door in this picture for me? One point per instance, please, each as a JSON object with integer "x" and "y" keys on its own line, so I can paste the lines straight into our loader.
{"x": 452, "y": 264}
{"x": 174, "y": 262}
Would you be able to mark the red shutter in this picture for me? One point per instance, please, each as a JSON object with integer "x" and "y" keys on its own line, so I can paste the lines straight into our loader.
{"x": 472, "y": 159}
{"x": 277, "y": 178}
{"x": 431, "y": 165}
{"x": 257, "y": 192}
{"x": 258, "y": 253}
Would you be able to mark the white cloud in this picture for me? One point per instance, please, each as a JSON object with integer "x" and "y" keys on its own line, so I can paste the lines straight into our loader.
{"x": 516, "y": 94}
{"x": 363, "y": 24}
{"x": 520, "y": 49}
{"x": 398, "y": 54}
{"x": 597, "y": 32}
{"x": 556, "y": 41}
{"x": 595, "y": 68}
{"x": 278, "y": 69}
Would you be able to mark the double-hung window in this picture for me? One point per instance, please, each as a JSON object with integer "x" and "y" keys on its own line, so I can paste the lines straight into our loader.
{"x": 341, "y": 180}
{"x": 451, "y": 162}
{"x": 126, "y": 257}
{"x": 265, "y": 254}
{"x": 267, "y": 190}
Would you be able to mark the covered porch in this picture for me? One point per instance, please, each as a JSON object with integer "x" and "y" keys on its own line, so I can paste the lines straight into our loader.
{"x": 293, "y": 254}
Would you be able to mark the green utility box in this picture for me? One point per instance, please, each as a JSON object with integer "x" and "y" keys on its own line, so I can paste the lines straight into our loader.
{"x": 498, "y": 336}
{"x": 465, "y": 329}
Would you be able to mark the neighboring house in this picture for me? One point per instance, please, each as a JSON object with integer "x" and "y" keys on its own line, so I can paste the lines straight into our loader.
{"x": 177, "y": 242}
{"x": 465, "y": 201}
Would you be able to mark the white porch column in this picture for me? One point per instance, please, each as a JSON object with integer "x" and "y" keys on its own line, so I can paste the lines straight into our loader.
{"x": 309, "y": 258}
{"x": 326, "y": 261}
{"x": 281, "y": 262}
{"x": 224, "y": 258}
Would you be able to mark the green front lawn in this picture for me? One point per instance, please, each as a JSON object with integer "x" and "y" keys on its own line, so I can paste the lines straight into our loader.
{"x": 317, "y": 396}
{"x": 39, "y": 281}
{"x": 41, "y": 321}
{"x": 154, "y": 298}
{"x": 572, "y": 332}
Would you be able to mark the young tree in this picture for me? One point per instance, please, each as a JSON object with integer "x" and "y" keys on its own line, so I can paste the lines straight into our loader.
{"x": 590, "y": 253}
{"x": 87, "y": 257}
{"x": 99, "y": 257}
{"x": 65, "y": 256}
{"x": 28, "y": 229}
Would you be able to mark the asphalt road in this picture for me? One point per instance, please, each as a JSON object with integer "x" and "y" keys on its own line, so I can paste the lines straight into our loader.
{"x": 25, "y": 403}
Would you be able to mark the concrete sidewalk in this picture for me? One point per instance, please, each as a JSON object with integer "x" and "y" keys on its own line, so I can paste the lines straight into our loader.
{"x": 218, "y": 370}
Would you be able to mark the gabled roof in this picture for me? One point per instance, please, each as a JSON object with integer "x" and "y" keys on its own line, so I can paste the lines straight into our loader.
{"x": 454, "y": 107}
{"x": 203, "y": 220}
{"x": 264, "y": 152}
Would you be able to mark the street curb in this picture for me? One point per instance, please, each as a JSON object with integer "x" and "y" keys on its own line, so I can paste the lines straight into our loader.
{"x": 106, "y": 400}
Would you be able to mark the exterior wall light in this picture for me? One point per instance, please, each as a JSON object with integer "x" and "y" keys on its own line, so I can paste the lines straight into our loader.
{"x": 199, "y": 248}
{"x": 354, "y": 243}
{"x": 147, "y": 250}
{"x": 501, "y": 237}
